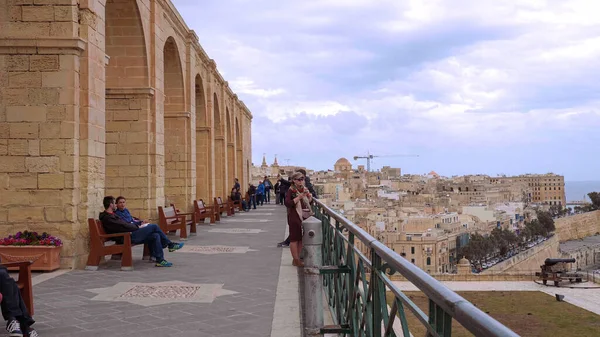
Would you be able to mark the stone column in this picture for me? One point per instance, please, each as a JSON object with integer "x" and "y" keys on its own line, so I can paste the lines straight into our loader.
{"x": 49, "y": 122}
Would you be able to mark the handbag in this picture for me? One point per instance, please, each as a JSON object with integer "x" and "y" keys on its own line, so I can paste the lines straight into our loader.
{"x": 306, "y": 213}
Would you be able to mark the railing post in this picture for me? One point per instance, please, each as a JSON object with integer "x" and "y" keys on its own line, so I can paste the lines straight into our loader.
{"x": 313, "y": 284}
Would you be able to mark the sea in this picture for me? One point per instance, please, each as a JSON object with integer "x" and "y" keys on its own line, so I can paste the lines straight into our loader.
{"x": 578, "y": 190}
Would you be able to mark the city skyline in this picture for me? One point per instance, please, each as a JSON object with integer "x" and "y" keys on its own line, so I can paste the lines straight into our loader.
{"x": 482, "y": 87}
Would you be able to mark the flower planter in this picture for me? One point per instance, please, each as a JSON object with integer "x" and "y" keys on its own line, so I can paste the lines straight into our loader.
{"x": 46, "y": 258}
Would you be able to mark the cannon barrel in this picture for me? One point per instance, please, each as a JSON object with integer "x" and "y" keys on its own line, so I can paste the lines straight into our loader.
{"x": 551, "y": 262}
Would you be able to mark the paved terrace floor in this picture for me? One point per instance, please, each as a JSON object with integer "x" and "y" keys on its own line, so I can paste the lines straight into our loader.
{"x": 219, "y": 291}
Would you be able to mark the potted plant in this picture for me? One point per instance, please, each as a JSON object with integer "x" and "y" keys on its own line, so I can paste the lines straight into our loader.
{"x": 43, "y": 249}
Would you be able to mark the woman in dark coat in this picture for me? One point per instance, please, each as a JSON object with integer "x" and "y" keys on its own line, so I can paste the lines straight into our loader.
{"x": 297, "y": 201}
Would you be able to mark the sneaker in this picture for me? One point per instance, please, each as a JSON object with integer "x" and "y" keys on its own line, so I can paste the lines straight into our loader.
{"x": 14, "y": 328}
{"x": 175, "y": 246}
{"x": 163, "y": 263}
{"x": 283, "y": 244}
{"x": 33, "y": 333}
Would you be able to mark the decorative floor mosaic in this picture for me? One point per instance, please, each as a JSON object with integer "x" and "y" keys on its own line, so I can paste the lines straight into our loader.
{"x": 237, "y": 230}
{"x": 148, "y": 294}
{"x": 245, "y": 220}
{"x": 215, "y": 249}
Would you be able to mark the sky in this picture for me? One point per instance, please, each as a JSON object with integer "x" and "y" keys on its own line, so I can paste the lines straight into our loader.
{"x": 487, "y": 86}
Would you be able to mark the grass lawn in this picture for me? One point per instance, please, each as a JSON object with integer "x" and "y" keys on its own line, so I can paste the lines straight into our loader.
{"x": 528, "y": 313}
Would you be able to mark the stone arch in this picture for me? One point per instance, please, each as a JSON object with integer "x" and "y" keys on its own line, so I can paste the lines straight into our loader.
{"x": 230, "y": 151}
{"x": 239, "y": 159}
{"x": 176, "y": 128}
{"x": 127, "y": 104}
{"x": 174, "y": 89}
{"x": 203, "y": 167}
{"x": 219, "y": 150}
{"x": 125, "y": 46}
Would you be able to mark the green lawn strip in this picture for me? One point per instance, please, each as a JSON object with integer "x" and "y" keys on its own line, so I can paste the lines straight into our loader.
{"x": 528, "y": 313}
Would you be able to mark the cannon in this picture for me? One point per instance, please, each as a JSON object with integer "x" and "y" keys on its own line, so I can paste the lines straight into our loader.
{"x": 551, "y": 262}
{"x": 558, "y": 270}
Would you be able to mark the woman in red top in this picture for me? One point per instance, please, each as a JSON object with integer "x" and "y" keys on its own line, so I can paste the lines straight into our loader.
{"x": 297, "y": 201}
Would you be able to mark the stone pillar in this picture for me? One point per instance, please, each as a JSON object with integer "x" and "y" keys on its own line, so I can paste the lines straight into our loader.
{"x": 203, "y": 163}
{"x": 128, "y": 144}
{"x": 464, "y": 267}
{"x": 48, "y": 127}
{"x": 177, "y": 160}
{"x": 219, "y": 172}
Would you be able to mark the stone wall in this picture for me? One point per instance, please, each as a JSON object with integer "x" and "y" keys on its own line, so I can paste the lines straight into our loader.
{"x": 577, "y": 226}
{"x": 114, "y": 97}
{"x": 529, "y": 260}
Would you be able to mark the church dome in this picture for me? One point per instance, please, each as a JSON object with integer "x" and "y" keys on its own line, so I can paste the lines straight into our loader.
{"x": 464, "y": 262}
{"x": 342, "y": 165}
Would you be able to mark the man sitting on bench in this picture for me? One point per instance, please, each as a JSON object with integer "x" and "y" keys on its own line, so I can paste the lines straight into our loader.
{"x": 124, "y": 213}
{"x": 14, "y": 311}
{"x": 143, "y": 233}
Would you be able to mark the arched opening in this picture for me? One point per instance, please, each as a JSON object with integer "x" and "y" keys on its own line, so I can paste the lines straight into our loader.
{"x": 127, "y": 108}
{"x": 203, "y": 159}
{"x": 230, "y": 152}
{"x": 176, "y": 131}
{"x": 219, "y": 150}
{"x": 239, "y": 162}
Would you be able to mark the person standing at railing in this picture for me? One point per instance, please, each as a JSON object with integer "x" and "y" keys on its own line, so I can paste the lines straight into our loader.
{"x": 297, "y": 201}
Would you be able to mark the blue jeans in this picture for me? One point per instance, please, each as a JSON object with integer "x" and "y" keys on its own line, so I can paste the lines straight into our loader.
{"x": 260, "y": 198}
{"x": 154, "y": 237}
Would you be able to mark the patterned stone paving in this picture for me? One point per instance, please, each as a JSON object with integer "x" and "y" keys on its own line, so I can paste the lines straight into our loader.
{"x": 203, "y": 294}
{"x": 236, "y": 230}
{"x": 247, "y": 220}
{"x": 215, "y": 249}
{"x": 148, "y": 294}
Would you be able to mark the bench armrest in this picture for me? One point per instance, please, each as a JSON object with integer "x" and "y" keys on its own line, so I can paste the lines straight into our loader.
{"x": 191, "y": 213}
{"x": 115, "y": 235}
{"x": 17, "y": 264}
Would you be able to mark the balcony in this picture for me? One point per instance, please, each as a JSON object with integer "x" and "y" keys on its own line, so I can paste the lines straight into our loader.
{"x": 231, "y": 280}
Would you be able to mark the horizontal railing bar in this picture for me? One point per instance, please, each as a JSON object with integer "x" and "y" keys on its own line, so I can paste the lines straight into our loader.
{"x": 465, "y": 313}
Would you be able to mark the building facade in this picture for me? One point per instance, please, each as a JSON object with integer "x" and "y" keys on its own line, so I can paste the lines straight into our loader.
{"x": 112, "y": 97}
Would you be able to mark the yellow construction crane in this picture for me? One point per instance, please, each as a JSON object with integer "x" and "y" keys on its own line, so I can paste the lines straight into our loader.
{"x": 369, "y": 156}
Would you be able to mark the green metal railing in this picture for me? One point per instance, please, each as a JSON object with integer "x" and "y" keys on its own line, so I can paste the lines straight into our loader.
{"x": 356, "y": 287}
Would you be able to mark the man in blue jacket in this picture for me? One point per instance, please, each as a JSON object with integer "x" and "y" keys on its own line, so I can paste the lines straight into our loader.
{"x": 260, "y": 193}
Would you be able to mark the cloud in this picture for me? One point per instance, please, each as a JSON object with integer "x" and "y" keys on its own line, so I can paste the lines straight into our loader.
{"x": 471, "y": 86}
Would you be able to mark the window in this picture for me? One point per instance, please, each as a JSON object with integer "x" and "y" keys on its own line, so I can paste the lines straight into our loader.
{"x": 412, "y": 261}
{"x": 412, "y": 250}
{"x": 429, "y": 261}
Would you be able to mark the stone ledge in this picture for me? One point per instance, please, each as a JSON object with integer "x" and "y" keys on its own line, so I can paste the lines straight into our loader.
{"x": 129, "y": 92}
{"x": 184, "y": 114}
{"x": 14, "y": 45}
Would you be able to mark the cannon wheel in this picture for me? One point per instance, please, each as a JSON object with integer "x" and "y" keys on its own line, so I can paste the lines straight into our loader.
{"x": 556, "y": 283}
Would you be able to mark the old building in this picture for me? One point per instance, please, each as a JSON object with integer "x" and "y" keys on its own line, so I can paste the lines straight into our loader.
{"x": 109, "y": 97}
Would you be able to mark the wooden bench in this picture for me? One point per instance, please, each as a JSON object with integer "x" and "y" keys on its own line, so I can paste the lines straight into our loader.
{"x": 192, "y": 216}
{"x": 236, "y": 204}
{"x": 98, "y": 250}
{"x": 169, "y": 221}
{"x": 203, "y": 211}
{"x": 223, "y": 207}
{"x": 24, "y": 281}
